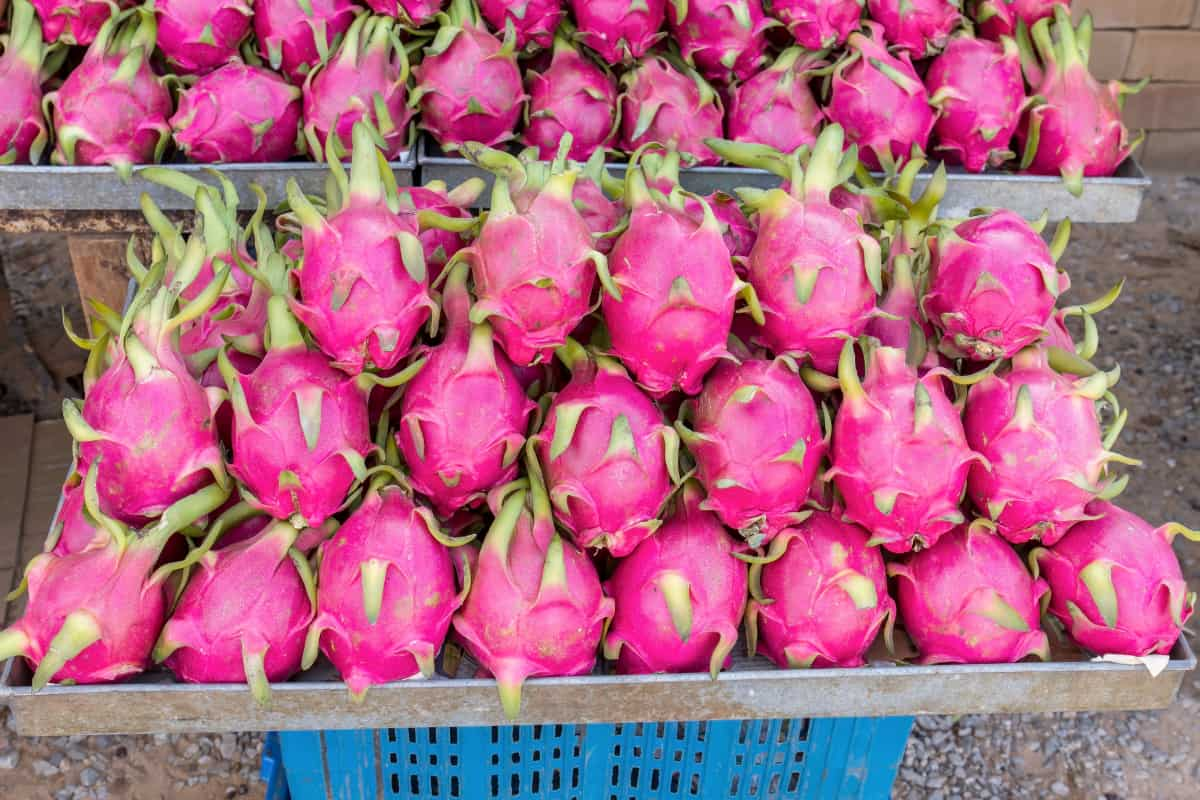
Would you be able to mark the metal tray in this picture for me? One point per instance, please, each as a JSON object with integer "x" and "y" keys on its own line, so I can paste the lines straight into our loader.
{"x": 1115, "y": 199}
{"x": 101, "y": 189}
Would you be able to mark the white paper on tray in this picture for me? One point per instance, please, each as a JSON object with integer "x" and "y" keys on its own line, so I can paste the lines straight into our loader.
{"x": 1155, "y": 663}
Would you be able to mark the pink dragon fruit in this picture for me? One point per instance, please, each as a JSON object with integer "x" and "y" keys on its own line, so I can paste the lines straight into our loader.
{"x": 386, "y": 592}
{"x": 900, "y": 457}
{"x": 725, "y": 39}
{"x": 238, "y": 114}
{"x": 573, "y": 95}
{"x": 600, "y": 213}
{"x": 758, "y": 444}
{"x": 880, "y": 101}
{"x": 413, "y": 13}
{"x": 670, "y": 106}
{"x": 197, "y": 37}
{"x": 1075, "y": 127}
{"x": 819, "y": 24}
{"x": 776, "y": 107}
{"x": 364, "y": 287}
{"x": 112, "y": 108}
{"x": 979, "y": 92}
{"x": 464, "y": 415}
{"x": 821, "y": 599}
{"x": 815, "y": 270}
{"x": 75, "y": 528}
{"x": 468, "y": 85}
{"x": 244, "y": 616}
{"x": 1040, "y": 434}
{"x": 610, "y": 461}
{"x": 365, "y": 80}
{"x": 535, "y": 608}
{"x": 620, "y": 31}
{"x": 439, "y": 244}
{"x": 905, "y": 326}
{"x": 969, "y": 600}
{"x": 917, "y": 28}
{"x": 296, "y": 35}
{"x": 679, "y": 596}
{"x": 75, "y": 21}
{"x": 23, "y": 133}
{"x": 997, "y": 18}
{"x": 992, "y": 286}
{"x": 1116, "y": 584}
{"x": 533, "y": 21}
{"x": 738, "y": 232}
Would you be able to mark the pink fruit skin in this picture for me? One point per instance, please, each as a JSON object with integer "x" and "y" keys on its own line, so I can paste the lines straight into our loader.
{"x": 979, "y": 90}
{"x": 238, "y": 114}
{"x": 620, "y": 31}
{"x": 1139, "y": 603}
{"x": 999, "y": 17}
{"x": 970, "y": 600}
{"x": 464, "y": 416}
{"x": 828, "y": 596}
{"x": 73, "y": 531}
{"x": 992, "y": 287}
{"x": 776, "y": 107}
{"x": 737, "y": 230}
{"x": 663, "y": 105}
{"x": 414, "y": 12}
{"x": 246, "y": 602}
{"x": 198, "y": 36}
{"x": 599, "y": 213}
{"x": 758, "y": 445}
{"x": 819, "y": 24}
{"x": 74, "y": 21}
{"x": 439, "y": 245}
{"x": 534, "y": 21}
{"x": 917, "y": 27}
{"x": 725, "y": 39}
{"x": 573, "y": 96}
{"x": 287, "y": 32}
{"x": 900, "y": 457}
{"x": 390, "y": 534}
{"x": 23, "y": 132}
{"x": 692, "y": 557}
{"x": 884, "y": 114}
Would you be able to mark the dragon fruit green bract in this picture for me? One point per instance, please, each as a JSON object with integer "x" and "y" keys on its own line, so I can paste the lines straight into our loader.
{"x": 822, "y": 602}
{"x": 238, "y": 114}
{"x": 725, "y": 39}
{"x": 23, "y": 133}
{"x": 75, "y": 21}
{"x": 75, "y": 528}
{"x": 819, "y": 24}
{"x": 776, "y": 107}
{"x": 758, "y": 444}
{"x": 197, "y": 36}
{"x": 917, "y": 27}
{"x": 1115, "y": 583}
{"x": 573, "y": 95}
{"x": 998, "y": 18}
{"x": 411, "y": 12}
{"x": 534, "y": 21}
{"x": 679, "y": 596}
{"x": 969, "y": 600}
{"x": 670, "y": 106}
{"x": 296, "y": 35}
{"x": 439, "y": 244}
{"x": 621, "y": 31}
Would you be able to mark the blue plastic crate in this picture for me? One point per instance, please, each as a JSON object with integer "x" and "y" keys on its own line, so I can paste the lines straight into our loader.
{"x": 747, "y": 760}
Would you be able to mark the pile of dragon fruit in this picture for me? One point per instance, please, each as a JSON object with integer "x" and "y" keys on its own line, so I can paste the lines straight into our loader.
{"x": 235, "y": 81}
{"x": 602, "y": 420}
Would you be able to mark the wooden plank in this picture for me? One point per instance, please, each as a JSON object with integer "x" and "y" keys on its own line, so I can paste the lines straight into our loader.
{"x": 48, "y": 465}
{"x": 100, "y": 270}
{"x": 70, "y": 222}
{"x": 17, "y": 435}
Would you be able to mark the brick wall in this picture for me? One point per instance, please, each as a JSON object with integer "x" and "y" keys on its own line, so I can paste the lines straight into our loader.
{"x": 1159, "y": 39}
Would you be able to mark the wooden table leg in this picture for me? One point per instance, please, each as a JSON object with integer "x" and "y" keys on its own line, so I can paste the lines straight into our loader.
{"x": 100, "y": 270}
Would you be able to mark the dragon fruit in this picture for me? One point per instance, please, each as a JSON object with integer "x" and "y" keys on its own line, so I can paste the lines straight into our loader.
{"x": 75, "y": 21}
{"x": 992, "y": 286}
{"x": 75, "y": 528}
{"x": 776, "y": 107}
{"x": 464, "y": 415}
{"x": 725, "y": 39}
{"x": 1074, "y": 128}
{"x": 1116, "y": 584}
{"x": 573, "y": 95}
{"x": 1040, "y": 434}
{"x": 238, "y": 114}
{"x": 757, "y": 442}
{"x": 468, "y": 85}
{"x": 365, "y": 80}
{"x": 997, "y": 18}
{"x": 670, "y": 106}
{"x": 244, "y": 615}
{"x": 386, "y": 592}
{"x": 969, "y": 600}
{"x": 23, "y": 133}
{"x": 197, "y": 37}
{"x": 533, "y": 21}
{"x": 880, "y": 101}
{"x": 600, "y": 213}
{"x": 112, "y": 108}
{"x": 821, "y": 599}
{"x": 620, "y": 31}
{"x": 738, "y": 232}
{"x": 535, "y": 608}
{"x": 979, "y": 92}
{"x": 900, "y": 457}
{"x": 679, "y": 596}
{"x": 363, "y": 280}
{"x": 439, "y": 244}
{"x": 917, "y": 28}
{"x": 296, "y": 35}
{"x": 413, "y": 13}
{"x": 609, "y": 460}
{"x": 819, "y": 24}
